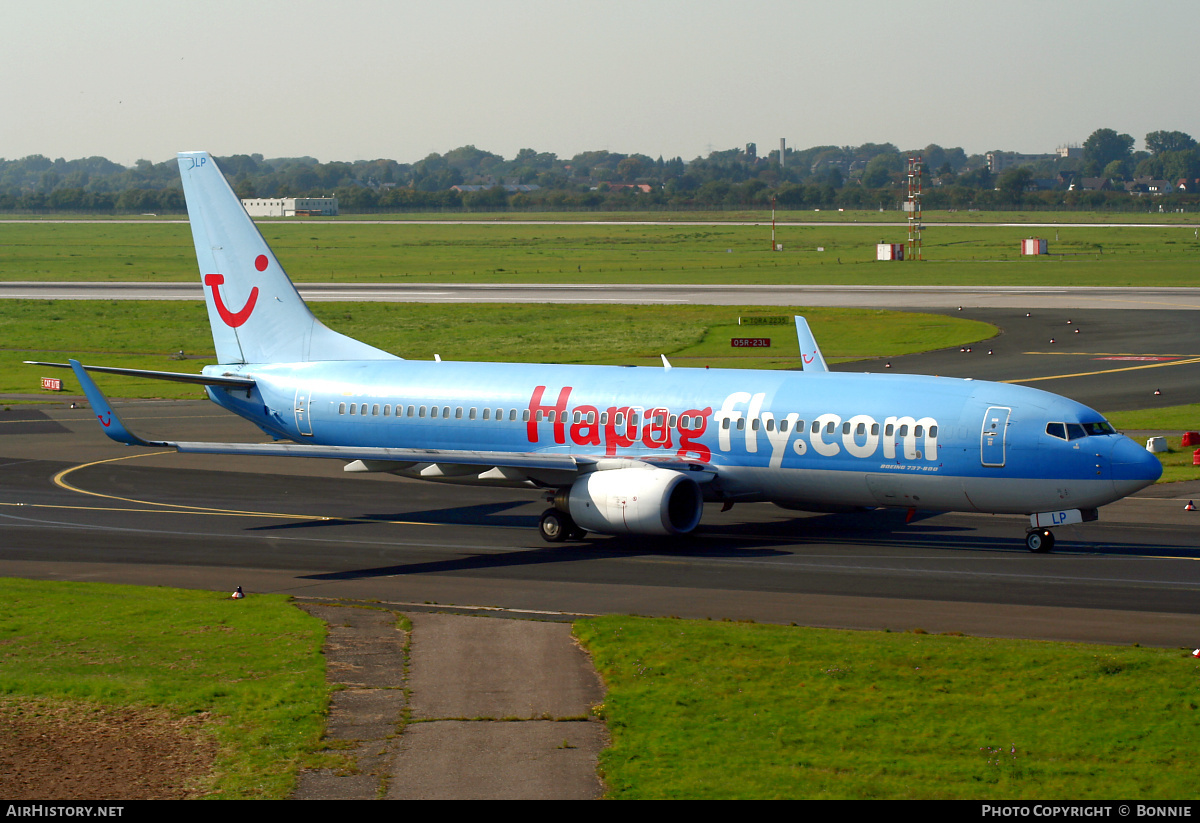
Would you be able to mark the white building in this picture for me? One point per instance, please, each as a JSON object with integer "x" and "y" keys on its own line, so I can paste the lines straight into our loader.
{"x": 291, "y": 207}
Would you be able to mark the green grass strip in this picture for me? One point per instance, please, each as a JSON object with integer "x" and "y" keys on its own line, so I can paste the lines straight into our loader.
{"x": 961, "y": 255}
{"x": 736, "y": 710}
{"x": 147, "y": 334}
{"x": 254, "y": 664}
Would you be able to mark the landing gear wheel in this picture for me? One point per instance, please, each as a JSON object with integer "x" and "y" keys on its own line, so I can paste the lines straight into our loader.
{"x": 556, "y": 526}
{"x": 1040, "y": 541}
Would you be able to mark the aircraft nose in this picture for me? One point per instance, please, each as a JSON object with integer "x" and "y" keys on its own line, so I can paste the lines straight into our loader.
{"x": 1133, "y": 467}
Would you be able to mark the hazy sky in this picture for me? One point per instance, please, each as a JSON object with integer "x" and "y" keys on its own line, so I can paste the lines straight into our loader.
{"x": 352, "y": 80}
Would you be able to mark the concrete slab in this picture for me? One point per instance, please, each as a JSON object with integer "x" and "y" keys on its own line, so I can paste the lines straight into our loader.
{"x": 476, "y": 667}
{"x": 473, "y": 760}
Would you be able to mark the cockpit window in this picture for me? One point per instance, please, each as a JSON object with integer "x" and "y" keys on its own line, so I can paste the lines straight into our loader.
{"x": 1074, "y": 431}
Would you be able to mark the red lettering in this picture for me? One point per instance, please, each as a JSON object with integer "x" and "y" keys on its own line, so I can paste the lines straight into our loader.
{"x": 614, "y": 439}
{"x": 536, "y": 407}
{"x": 656, "y": 434}
{"x": 687, "y": 436}
{"x": 587, "y": 431}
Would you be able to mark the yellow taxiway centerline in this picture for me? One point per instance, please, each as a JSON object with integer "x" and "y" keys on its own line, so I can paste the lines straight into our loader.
{"x": 1105, "y": 371}
{"x": 184, "y": 509}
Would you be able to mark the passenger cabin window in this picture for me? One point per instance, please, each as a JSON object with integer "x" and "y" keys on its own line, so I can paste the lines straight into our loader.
{"x": 341, "y": 408}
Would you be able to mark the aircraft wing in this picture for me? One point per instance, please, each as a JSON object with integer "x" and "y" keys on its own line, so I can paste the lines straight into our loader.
{"x": 116, "y": 430}
{"x": 178, "y": 377}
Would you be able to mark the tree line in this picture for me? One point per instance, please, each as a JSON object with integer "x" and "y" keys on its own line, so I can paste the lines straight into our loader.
{"x": 870, "y": 176}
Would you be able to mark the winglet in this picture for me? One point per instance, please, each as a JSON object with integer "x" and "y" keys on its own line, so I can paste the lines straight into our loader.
{"x": 111, "y": 424}
{"x": 810, "y": 352}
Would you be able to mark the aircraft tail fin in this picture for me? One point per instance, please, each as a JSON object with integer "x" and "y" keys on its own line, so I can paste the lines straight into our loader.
{"x": 810, "y": 352}
{"x": 256, "y": 314}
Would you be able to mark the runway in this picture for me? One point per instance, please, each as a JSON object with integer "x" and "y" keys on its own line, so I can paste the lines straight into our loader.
{"x": 887, "y": 297}
{"x": 74, "y": 505}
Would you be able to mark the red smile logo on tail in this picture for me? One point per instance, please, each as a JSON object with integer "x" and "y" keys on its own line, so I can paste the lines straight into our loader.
{"x": 233, "y": 319}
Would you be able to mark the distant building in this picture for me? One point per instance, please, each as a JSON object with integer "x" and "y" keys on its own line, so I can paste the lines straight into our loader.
{"x": 1148, "y": 185}
{"x": 291, "y": 207}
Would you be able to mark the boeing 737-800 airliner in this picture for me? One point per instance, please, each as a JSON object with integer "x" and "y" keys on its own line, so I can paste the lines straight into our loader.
{"x": 628, "y": 450}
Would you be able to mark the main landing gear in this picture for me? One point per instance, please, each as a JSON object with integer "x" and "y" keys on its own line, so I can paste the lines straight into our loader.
{"x": 557, "y": 526}
{"x": 1039, "y": 540}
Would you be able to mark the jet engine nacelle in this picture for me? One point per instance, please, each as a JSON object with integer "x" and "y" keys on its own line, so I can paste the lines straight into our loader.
{"x": 636, "y": 501}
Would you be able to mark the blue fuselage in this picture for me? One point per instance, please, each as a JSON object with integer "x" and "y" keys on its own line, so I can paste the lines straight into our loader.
{"x": 806, "y": 439}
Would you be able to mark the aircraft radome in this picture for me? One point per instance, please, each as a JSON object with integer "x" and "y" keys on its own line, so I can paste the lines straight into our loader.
{"x": 628, "y": 450}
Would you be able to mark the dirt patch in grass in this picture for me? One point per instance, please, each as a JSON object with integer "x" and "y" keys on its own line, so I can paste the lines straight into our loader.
{"x": 75, "y": 751}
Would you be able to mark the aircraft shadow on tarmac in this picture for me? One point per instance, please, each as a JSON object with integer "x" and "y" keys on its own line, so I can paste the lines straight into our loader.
{"x": 887, "y": 529}
{"x": 483, "y": 514}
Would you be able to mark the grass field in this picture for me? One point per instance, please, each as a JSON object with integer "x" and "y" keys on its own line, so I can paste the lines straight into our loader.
{"x": 254, "y": 665}
{"x": 733, "y": 710}
{"x": 146, "y": 334}
{"x": 732, "y": 215}
{"x": 696, "y": 709}
{"x": 607, "y": 253}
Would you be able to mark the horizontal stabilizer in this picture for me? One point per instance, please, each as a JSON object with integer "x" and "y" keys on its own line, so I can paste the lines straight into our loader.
{"x": 178, "y": 377}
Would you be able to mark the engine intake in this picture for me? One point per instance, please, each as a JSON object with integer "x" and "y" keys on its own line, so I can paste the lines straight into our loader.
{"x": 635, "y": 501}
